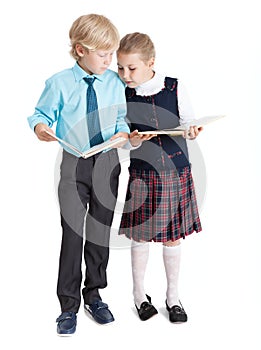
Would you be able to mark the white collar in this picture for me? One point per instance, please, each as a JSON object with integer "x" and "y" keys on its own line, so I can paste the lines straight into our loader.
{"x": 152, "y": 86}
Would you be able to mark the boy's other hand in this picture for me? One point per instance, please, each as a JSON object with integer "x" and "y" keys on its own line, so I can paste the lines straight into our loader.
{"x": 40, "y": 131}
{"x": 136, "y": 139}
{"x": 125, "y": 135}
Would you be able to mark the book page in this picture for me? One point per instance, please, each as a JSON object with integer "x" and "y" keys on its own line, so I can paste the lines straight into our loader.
{"x": 203, "y": 121}
{"x": 181, "y": 128}
{"x": 103, "y": 146}
{"x": 66, "y": 143}
{"x": 93, "y": 150}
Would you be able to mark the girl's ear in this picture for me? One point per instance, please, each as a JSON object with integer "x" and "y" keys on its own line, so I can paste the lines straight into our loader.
{"x": 80, "y": 50}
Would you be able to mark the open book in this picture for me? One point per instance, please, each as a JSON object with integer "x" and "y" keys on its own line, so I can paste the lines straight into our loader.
{"x": 93, "y": 150}
{"x": 181, "y": 128}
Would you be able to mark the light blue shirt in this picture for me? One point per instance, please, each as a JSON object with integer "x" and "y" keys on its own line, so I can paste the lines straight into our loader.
{"x": 63, "y": 101}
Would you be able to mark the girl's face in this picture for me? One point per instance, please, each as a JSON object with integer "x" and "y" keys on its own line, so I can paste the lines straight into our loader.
{"x": 94, "y": 62}
{"x": 132, "y": 70}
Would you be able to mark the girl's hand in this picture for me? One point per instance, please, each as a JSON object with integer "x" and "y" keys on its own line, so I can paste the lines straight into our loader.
{"x": 192, "y": 132}
{"x": 136, "y": 139}
{"x": 40, "y": 131}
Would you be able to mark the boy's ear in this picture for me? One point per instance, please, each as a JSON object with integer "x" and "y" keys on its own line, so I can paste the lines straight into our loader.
{"x": 151, "y": 62}
{"x": 80, "y": 50}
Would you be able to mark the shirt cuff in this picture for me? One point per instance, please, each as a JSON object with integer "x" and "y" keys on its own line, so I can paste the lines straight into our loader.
{"x": 34, "y": 122}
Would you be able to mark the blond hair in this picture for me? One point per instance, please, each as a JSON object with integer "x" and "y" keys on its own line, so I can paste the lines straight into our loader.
{"x": 93, "y": 32}
{"x": 137, "y": 43}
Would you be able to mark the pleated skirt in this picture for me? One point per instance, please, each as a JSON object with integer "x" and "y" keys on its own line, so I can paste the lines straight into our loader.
{"x": 160, "y": 206}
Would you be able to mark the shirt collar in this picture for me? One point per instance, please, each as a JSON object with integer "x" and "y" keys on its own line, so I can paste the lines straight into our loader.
{"x": 80, "y": 73}
{"x": 152, "y": 86}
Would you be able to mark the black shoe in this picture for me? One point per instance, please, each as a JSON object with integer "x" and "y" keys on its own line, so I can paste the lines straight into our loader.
{"x": 176, "y": 313}
{"x": 146, "y": 310}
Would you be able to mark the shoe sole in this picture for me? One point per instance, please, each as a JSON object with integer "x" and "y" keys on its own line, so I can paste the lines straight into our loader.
{"x": 65, "y": 335}
{"x": 177, "y": 322}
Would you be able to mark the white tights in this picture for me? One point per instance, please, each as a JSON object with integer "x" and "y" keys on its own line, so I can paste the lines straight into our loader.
{"x": 139, "y": 260}
{"x": 171, "y": 258}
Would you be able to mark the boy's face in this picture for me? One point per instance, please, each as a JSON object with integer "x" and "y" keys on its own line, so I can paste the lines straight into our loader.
{"x": 94, "y": 62}
{"x": 132, "y": 70}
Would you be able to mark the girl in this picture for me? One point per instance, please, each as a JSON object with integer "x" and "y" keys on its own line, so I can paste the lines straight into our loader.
{"x": 160, "y": 202}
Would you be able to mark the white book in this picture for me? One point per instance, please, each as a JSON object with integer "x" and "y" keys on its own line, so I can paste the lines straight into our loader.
{"x": 93, "y": 150}
{"x": 181, "y": 128}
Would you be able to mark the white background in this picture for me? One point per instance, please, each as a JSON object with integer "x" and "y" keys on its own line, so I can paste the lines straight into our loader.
{"x": 214, "y": 48}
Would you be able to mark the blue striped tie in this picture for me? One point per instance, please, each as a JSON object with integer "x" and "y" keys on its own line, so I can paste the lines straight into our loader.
{"x": 93, "y": 121}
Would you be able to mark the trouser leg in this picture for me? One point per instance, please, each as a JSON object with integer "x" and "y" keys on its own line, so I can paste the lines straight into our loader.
{"x": 98, "y": 223}
{"x": 73, "y": 194}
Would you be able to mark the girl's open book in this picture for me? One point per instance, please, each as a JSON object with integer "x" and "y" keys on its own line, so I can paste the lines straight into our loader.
{"x": 181, "y": 128}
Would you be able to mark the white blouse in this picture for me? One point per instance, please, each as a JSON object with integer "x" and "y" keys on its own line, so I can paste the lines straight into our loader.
{"x": 156, "y": 84}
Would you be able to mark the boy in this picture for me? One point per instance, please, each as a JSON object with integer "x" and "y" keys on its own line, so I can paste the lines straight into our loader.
{"x": 88, "y": 104}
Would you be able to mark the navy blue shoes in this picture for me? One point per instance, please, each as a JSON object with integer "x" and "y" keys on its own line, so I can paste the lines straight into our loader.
{"x": 66, "y": 323}
{"x": 100, "y": 312}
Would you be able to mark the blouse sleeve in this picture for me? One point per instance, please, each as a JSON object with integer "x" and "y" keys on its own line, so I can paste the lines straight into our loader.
{"x": 186, "y": 112}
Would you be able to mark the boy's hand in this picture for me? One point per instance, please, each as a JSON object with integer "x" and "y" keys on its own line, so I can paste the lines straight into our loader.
{"x": 192, "y": 132}
{"x": 120, "y": 134}
{"x": 40, "y": 130}
{"x": 136, "y": 139}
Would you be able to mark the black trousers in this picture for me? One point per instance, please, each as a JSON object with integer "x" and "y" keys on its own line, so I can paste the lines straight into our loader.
{"x": 87, "y": 193}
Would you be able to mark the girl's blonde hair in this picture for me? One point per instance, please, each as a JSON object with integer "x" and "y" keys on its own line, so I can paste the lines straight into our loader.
{"x": 138, "y": 43}
{"x": 93, "y": 32}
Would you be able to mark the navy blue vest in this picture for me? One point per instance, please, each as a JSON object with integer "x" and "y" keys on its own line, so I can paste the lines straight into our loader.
{"x": 154, "y": 112}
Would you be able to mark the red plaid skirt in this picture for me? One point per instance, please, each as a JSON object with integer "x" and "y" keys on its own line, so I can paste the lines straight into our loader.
{"x": 160, "y": 206}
